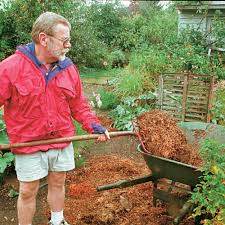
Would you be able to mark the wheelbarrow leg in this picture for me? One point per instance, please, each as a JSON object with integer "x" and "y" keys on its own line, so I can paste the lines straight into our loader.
{"x": 154, "y": 197}
{"x": 125, "y": 183}
{"x": 187, "y": 207}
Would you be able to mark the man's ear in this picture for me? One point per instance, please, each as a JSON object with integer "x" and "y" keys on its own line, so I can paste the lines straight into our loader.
{"x": 43, "y": 39}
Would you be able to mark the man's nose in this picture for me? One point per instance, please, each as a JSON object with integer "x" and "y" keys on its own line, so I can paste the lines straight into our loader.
{"x": 67, "y": 44}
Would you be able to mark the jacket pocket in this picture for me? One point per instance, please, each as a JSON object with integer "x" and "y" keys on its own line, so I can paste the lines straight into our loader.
{"x": 66, "y": 89}
{"x": 66, "y": 94}
{"x": 28, "y": 99}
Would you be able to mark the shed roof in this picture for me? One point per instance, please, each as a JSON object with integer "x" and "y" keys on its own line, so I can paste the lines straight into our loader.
{"x": 210, "y": 5}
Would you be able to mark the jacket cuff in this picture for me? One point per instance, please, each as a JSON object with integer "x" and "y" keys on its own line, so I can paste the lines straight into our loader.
{"x": 98, "y": 129}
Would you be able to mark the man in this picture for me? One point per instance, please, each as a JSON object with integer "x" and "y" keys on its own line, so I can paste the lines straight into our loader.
{"x": 41, "y": 90}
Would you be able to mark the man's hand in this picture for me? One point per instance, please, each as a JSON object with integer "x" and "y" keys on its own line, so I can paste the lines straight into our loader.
{"x": 104, "y": 137}
{"x": 98, "y": 129}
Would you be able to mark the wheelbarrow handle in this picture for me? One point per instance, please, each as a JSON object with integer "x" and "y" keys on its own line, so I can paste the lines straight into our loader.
{"x": 64, "y": 139}
{"x": 125, "y": 183}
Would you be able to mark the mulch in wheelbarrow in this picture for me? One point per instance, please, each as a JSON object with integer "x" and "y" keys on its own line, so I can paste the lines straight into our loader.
{"x": 162, "y": 137}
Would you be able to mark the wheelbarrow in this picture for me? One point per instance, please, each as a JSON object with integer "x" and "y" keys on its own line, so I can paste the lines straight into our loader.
{"x": 172, "y": 170}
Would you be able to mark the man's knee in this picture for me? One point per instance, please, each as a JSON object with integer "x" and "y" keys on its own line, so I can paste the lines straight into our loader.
{"x": 28, "y": 190}
{"x": 56, "y": 180}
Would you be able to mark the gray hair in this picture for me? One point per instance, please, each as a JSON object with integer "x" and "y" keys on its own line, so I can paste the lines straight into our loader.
{"x": 46, "y": 23}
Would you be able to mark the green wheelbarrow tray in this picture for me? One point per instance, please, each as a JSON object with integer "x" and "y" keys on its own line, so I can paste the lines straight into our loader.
{"x": 173, "y": 170}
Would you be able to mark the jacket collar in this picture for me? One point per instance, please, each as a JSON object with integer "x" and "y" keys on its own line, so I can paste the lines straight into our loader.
{"x": 29, "y": 51}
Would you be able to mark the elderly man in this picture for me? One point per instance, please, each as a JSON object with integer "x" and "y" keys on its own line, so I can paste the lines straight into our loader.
{"x": 41, "y": 92}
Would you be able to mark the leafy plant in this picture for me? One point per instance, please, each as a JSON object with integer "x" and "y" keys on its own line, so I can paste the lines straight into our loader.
{"x": 129, "y": 83}
{"x": 109, "y": 99}
{"x": 79, "y": 146}
{"x": 6, "y": 159}
{"x": 209, "y": 195}
{"x": 117, "y": 58}
{"x": 13, "y": 193}
{"x": 218, "y": 110}
{"x": 130, "y": 108}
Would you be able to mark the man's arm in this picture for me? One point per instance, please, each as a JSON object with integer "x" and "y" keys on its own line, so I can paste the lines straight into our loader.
{"x": 82, "y": 113}
{"x": 5, "y": 85}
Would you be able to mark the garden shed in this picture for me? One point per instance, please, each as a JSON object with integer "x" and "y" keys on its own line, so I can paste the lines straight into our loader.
{"x": 199, "y": 16}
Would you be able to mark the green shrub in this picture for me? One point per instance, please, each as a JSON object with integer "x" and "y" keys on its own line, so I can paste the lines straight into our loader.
{"x": 218, "y": 110}
{"x": 129, "y": 83}
{"x": 109, "y": 99}
{"x": 117, "y": 58}
{"x": 129, "y": 108}
{"x": 209, "y": 195}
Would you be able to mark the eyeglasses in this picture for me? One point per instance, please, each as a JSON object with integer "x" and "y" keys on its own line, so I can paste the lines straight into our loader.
{"x": 64, "y": 41}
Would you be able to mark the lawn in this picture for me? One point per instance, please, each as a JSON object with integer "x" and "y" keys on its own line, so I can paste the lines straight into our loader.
{"x": 91, "y": 75}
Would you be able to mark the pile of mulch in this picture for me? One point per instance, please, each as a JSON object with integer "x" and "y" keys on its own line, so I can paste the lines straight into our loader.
{"x": 127, "y": 206}
{"x": 162, "y": 137}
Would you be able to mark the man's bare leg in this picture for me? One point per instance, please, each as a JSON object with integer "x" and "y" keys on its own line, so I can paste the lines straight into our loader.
{"x": 26, "y": 204}
{"x": 56, "y": 190}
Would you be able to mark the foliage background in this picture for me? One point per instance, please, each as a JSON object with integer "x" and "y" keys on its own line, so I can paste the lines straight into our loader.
{"x": 142, "y": 41}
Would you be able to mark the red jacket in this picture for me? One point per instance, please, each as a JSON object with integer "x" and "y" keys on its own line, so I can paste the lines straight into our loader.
{"x": 36, "y": 108}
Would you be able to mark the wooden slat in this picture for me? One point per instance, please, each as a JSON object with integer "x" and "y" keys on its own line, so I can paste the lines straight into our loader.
{"x": 172, "y": 75}
{"x": 199, "y": 81}
{"x": 197, "y": 102}
{"x": 199, "y": 78}
{"x": 194, "y": 116}
{"x": 198, "y": 92}
{"x": 201, "y": 84}
{"x": 196, "y": 107}
{"x": 170, "y": 107}
{"x": 173, "y": 88}
{"x": 196, "y": 110}
{"x": 170, "y": 98}
{"x": 173, "y": 95}
{"x": 210, "y": 99}
{"x": 199, "y": 113}
{"x": 198, "y": 88}
{"x": 177, "y": 114}
{"x": 199, "y": 75}
{"x": 190, "y": 97}
{"x": 193, "y": 120}
{"x": 173, "y": 79}
{"x": 174, "y": 85}
{"x": 168, "y": 104}
{"x": 184, "y": 100}
{"x": 174, "y": 113}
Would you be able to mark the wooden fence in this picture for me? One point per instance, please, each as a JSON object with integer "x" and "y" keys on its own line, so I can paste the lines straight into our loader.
{"x": 188, "y": 97}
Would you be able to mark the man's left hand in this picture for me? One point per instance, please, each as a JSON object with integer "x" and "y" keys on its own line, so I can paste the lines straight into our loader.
{"x": 104, "y": 134}
{"x": 104, "y": 137}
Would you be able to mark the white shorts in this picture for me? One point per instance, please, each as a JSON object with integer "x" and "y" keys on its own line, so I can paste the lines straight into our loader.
{"x": 30, "y": 167}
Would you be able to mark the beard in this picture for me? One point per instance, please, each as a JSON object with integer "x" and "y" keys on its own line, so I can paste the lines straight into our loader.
{"x": 59, "y": 54}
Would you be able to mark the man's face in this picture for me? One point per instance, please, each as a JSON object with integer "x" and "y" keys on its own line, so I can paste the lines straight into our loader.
{"x": 59, "y": 43}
